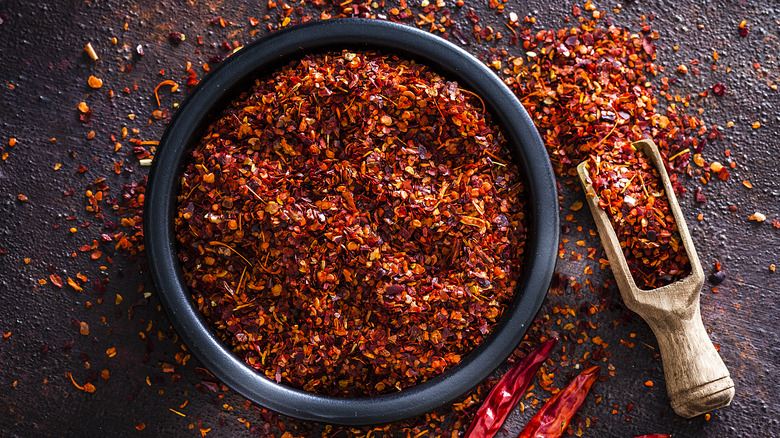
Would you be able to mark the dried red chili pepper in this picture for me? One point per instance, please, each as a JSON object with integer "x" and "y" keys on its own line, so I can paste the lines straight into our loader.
{"x": 507, "y": 392}
{"x": 630, "y": 191}
{"x": 353, "y": 224}
{"x": 553, "y": 418}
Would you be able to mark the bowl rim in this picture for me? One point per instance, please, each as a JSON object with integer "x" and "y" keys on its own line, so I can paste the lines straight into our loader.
{"x": 262, "y": 57}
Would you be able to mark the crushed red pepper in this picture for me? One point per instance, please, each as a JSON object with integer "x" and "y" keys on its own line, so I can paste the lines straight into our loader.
{"x": 353, "y": 224}
{"x": 575, "y": 324}
{"x": 587, "y": 89}
{"x": 630, "y": 191}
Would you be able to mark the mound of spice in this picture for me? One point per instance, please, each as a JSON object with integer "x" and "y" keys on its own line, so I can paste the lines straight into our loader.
{"x": 631, "y": 192}
{"x": 587, "y": 89}
{"x": 352, "y": 225}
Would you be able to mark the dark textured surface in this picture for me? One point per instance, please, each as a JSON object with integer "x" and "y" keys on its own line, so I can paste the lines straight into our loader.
{"x": 41, "y": 55}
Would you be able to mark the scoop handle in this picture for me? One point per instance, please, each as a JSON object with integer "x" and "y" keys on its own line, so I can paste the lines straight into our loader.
{"x": 697, "y": 380}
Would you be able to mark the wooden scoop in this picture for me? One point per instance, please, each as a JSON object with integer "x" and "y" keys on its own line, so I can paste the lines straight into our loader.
{"x": 697, "y": 380}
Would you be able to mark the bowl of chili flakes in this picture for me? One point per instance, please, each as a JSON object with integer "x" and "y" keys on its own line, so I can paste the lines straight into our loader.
{"x": 198, "y": 301}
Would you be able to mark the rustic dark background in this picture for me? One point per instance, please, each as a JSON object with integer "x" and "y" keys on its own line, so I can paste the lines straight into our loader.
{"x": 43, "y": 77}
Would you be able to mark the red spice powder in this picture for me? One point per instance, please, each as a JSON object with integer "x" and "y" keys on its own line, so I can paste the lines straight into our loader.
{"x": 353, "y": 224}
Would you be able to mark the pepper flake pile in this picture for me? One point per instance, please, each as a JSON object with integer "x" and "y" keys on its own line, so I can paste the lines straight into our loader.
{"x": 587, "y": 89}
{"x": 352, "y": 225}
{"x": 630, "y": 191}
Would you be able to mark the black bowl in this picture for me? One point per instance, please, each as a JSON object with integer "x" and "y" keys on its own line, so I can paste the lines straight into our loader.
{"x": 263, "y": 57}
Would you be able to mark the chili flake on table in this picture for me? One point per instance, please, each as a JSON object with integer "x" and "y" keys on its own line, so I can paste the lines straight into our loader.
{"x": 353, "y": 224}
{"x": 588, "y": 90}
{"x": 630, "y": 191}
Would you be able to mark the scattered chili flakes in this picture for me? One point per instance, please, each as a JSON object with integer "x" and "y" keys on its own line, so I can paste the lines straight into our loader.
{"x": 176, "y": 37}
{"x": 718, "y": 275}
{"x": 699, "y": 196}
{"x": 647, "y": 119}
{"x": 649, "y": 383}
{"x": 743, "y": 28}
{"x": 758, "y": 217}
{"x": 72, "y": 283}
{"x": 95, "y": 82}
{"x": 84, "y": 328}
{"x": 341, "y": 253}
{"x": 56, "y": 280}
{"x": 88, "y": 387}
{"x": 590, "y": 93}
{"x": 22, "y": 197}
